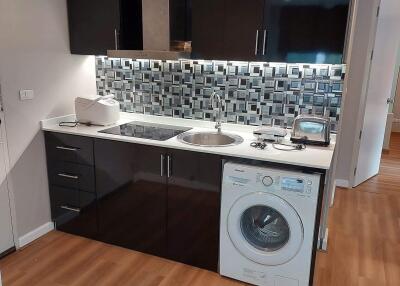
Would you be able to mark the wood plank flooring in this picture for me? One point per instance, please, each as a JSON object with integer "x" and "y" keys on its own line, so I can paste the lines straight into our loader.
{"x": 364, "y": 230}
{"x": 363, "y": 250}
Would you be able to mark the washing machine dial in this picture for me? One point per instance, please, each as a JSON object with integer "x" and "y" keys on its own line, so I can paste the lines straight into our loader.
{"x": 267, "y": 181}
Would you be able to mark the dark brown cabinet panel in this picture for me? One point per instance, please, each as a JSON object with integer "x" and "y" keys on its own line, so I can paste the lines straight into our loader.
{"x": 93, "y": 26}
{"x": 131, "y": 196}
{"x": 243, "y": 37}
{"x": 96, "y": 26}
{"x": 208, "y": 18}
{"x": 69, "y": 148}
{"x": 71, "y": 183}
{"x": 269, "y": 30}
{"x": 193, "y": 208}
{"x": 304, "y": 31}
{"x": 71, "y": 175}
{"x": 180, "y": 17}
{"x": 164, "y": 202}
{"x": 74, "y": 211}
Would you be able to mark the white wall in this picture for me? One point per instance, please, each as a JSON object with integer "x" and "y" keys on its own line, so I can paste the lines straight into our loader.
{"x": 34, "y": 54}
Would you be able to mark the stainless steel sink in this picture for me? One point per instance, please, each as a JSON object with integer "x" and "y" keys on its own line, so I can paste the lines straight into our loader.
{"x": 210, "y": 139}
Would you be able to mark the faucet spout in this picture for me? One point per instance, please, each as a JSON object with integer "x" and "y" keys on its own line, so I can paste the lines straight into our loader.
{"x": 217, "y": 98}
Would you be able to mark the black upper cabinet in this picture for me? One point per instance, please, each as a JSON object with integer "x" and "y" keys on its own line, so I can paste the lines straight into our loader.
{"x": 310, "y": 31}
{"x": 208, "y": 18}
{"x": 180, "y": 14}
{"x": 242, "y": 34}
{"x": 130, "y": 36}
{"x": 96, "y": 26}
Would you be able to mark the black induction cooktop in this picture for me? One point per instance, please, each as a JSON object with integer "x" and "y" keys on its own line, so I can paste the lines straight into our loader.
{"x": 146, "y": 130}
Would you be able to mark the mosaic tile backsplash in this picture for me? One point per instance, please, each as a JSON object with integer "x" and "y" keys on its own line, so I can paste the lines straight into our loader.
{"x": 253, "y": 93}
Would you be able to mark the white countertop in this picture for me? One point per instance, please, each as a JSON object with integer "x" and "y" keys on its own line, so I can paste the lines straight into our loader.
{"x": 312, "y": 156}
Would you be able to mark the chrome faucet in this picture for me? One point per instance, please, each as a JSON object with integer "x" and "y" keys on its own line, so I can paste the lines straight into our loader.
{"x": 215, "y": 97}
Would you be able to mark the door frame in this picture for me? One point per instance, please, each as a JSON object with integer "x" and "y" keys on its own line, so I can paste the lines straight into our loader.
{"x": 363, "y": 99}
{"x": 359, "y": 118}
{"x": 349, "y": 43}
{"x": 11, "y": 196}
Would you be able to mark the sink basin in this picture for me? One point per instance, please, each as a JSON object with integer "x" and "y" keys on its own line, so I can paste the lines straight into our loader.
{"x": 210, "y": 139}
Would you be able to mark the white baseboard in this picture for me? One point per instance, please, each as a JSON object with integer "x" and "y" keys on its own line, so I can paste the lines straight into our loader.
{"x": 35, "y": 234}
{"x": 342, "y": 183}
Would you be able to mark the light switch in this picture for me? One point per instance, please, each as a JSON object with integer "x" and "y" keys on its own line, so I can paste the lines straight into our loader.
{"x": 26, "y": 94}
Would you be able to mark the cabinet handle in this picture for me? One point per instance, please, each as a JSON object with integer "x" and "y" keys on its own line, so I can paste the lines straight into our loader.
{"x": 162, "y": 165}
{"x": 116, "y": 39}
{"x": 70, "y": 209}
{"x": 68, "y": 176}
{"x": 66, "y": 148}
{"x": 169, "y": 166}
{"x": 265, "y": 41}
{"x": 256, "y": 49}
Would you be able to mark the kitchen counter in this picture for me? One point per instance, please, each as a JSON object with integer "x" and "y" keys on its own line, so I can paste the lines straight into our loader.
{"x": 312, "y": 156}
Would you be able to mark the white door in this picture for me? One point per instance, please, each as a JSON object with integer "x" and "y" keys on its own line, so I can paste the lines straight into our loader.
{"x": 379, "y": 90}
{"x": 265, "y": 228}
{"x": 6, "y": 233}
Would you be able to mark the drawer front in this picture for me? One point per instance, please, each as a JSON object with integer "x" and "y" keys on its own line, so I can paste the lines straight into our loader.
{"x": 74, "y": 211}
{"x": 73, "y": 176}
{"x": 69, "y": 148}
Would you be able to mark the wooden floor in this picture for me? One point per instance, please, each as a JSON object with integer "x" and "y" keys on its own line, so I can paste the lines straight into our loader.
{"x": 364, "y": 230}
{"x": 364, "y": 248}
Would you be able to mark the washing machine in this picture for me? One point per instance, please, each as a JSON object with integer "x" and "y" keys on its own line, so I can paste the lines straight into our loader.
{"x": 267, "y": 225}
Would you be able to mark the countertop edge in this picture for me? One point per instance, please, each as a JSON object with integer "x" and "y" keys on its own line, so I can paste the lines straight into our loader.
{"x": 51, "y": 125}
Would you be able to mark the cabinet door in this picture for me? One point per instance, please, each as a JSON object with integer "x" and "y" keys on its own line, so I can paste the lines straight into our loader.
{"x": 180, "y": 17}
{"x": 193, "y": 208}
{"x": 93, "y": 25}
{"x": 243, "y": 35}
{"x": 305, "y": 31}
{"x": 131, "y": 196}
{"x": 130, "y": 33}
{"x": 208, "y": 18}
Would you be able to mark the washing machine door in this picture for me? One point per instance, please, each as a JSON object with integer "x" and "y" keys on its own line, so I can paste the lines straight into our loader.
{"x": 265, "y": 228}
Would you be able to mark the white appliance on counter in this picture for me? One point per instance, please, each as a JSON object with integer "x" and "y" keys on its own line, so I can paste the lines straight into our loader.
{"x": 103, "y": 110}
{"x": 267, "y": 225}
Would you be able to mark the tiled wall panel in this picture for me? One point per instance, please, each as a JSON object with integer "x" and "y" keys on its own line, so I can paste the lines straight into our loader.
{"x": 254, "y": 93}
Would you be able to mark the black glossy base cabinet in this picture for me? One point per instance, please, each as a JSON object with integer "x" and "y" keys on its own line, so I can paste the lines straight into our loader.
{"x": 131, "y": 196}
{"x": 193, "y": 208}
{"x": 159, "y": 201}
{"x": 70, "y": 166}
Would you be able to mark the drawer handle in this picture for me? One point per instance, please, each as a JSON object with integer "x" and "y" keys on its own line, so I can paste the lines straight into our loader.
{"x": 67, "y": 148}
{"x": 70, "y": 209}
{"x": 169, "y": 166}
{"x": 162, "y": 165}
{"x": 68, "y": 176}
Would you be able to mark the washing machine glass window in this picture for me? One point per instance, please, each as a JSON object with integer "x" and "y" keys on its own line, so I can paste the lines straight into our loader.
{"x": 264, "y": 228}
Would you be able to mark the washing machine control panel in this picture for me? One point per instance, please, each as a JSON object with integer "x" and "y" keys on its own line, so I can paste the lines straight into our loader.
{"x": 290, "y": 184}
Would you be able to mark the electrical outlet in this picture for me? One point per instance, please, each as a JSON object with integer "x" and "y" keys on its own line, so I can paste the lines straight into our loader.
{"x": 26, "y": 94}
